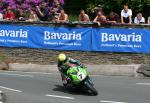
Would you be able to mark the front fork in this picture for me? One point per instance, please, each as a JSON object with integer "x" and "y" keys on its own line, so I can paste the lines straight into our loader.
{"x": 88, "y": 80}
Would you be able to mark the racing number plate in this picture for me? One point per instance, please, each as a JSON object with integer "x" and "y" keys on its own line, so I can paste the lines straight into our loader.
{"x": 81, "y": 76}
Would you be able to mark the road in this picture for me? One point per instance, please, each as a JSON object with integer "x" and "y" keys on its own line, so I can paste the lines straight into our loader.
{"x": 28, "y": 87}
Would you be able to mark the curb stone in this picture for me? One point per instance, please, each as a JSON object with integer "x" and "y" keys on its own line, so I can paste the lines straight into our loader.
{"x": 114, "y": 70}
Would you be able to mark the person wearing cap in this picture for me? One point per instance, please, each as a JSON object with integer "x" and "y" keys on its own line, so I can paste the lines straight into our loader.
{"x": 63, "y": 66}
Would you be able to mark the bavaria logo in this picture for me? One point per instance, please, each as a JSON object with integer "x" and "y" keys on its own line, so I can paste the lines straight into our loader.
{"x": 12, "y": 33}
{"x": 121, "y": 37}
{"x": 62, "y": 36}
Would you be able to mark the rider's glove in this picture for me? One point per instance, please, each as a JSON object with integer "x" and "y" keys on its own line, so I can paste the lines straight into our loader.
{"x": 67, "y": 78}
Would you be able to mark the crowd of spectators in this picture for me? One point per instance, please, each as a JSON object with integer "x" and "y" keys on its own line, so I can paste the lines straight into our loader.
{"x": 124, "y": 18}
{"x": 30, "y": 10}
{"x": 51, "y": 10}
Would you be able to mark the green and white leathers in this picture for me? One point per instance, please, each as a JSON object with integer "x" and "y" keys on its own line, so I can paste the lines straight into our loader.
{"x": 80, "y": 78}
{"x": 77, "y": 74}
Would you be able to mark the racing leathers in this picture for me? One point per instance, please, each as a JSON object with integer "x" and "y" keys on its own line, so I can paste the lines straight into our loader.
{"x": 64, "y": 66}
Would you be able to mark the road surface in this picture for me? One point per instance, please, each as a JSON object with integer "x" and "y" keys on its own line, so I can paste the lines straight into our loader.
{"x": 28, "y": 87}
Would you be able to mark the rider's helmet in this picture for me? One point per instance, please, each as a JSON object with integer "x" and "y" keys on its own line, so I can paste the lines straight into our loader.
{"x": 62, "y": 57}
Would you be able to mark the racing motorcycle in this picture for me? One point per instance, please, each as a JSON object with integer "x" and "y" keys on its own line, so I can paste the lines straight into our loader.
{"x": 80, "y": 78}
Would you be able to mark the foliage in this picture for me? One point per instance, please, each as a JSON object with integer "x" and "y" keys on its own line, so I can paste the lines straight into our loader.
{"x": 73, "y": 6}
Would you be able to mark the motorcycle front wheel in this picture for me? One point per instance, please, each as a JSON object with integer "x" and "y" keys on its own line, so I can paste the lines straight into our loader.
{"x": 91, "y": 90}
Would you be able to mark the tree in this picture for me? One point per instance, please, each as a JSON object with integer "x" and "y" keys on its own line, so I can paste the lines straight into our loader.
{"x": 142, "y": 6}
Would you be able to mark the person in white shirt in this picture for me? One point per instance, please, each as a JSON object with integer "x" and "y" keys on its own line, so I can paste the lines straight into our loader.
{"x": 126, "y": 15}
{"x": 139, "y": 19}
{"x": 1, "y": 17}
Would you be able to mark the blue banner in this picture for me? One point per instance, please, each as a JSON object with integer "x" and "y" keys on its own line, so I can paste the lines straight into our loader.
{"x": 45, "y": 37}
{"x": 84, "y": 39}
{"x": 121, "y": 40}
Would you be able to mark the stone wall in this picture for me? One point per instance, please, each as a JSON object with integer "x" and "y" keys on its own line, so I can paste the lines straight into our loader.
{"x": 41, "y": 56}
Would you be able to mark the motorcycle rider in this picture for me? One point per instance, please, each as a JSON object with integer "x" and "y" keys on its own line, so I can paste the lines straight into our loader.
{"x": 63, "y": 66}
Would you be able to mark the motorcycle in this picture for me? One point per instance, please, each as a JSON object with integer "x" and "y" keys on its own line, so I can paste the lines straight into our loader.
{"x": 80, "y": 78}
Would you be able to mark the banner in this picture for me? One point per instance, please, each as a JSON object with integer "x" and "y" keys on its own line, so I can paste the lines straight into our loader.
{"x": 121, "y": 40}
{"x": 45, "y": 37}
{"x": 83, "y": 39}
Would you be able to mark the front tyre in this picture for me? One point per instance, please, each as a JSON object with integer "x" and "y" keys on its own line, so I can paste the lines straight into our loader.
{"x": 91, "y": 90}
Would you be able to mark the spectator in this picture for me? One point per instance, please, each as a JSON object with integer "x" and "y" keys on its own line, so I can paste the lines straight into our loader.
{"x": 32, "y": 16}
{"x": 83, "y": 17}
{"x": 139, "y": 19}
{"x": 63, "y": 17}
{"x": 54, "y": 11}
{"x": 100, "y": 18}
{"x": 9, "y": 15}
{"x": 113, "y": 17}
{"x": 42, "y": 11}
{"x": 41, "y": 7}
{"x": 1, "y": 16}
{"x": 21, "y": 16}
{"x": 126, "y": 15}
{"x": 148, "y": 20}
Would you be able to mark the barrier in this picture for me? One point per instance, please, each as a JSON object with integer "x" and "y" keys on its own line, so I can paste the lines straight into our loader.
{"x": 84, "y": 39}
{"x": 45, "y": 37}
{"x": 121, "y": 40}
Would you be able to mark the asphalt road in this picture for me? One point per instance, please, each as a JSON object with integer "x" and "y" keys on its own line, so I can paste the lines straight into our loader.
{"x": 47, "y": 88}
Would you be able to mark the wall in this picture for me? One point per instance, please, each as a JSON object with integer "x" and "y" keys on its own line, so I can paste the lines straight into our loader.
{"x": 40, "y": 56}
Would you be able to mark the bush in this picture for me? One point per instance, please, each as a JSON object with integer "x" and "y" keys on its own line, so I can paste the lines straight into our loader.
{"x": 73, "y": 6}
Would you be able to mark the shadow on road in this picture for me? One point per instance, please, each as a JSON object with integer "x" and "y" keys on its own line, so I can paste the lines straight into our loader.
{"x": 70, "y": 90}
{"x": 2, "y": 98}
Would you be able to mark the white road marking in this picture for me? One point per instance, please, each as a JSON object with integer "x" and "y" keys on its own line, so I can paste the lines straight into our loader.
{"x": 57, "y": 96}
{"x": 104, "y": 101}
{"x": 15, "y": 90}
{"x": 30, "y": 72}
{"x": 148, "y": 84}
{"x": 10, "y": 74}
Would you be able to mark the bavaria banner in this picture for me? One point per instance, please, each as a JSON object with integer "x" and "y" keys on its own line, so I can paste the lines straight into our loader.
{"x": 84, "y": 39}
{"x": 121, "y": 40}
{"x": 45, "y": 37}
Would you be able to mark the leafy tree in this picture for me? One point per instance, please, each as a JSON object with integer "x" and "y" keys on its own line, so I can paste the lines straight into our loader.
{"x": 73, "y": 6}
